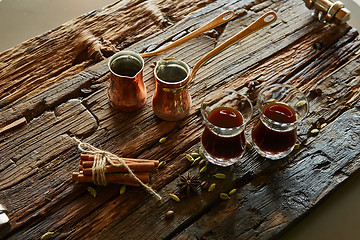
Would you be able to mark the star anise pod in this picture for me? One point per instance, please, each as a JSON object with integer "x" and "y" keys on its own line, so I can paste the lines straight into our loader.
{"x": 188, "y": 184}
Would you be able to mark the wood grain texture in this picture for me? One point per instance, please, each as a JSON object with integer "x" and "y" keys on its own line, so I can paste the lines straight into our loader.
{"x": 37, "y": 159}
{"x": 48, "y": 59}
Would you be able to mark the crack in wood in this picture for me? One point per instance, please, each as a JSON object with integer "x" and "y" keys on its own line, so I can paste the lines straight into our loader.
{"x": 323, "y": 165}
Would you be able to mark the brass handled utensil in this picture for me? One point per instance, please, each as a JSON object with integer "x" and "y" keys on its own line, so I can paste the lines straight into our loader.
{"x": 127, "y": 91}
{"x": 222, "y": 18}
{"x": 263, "y": 21}
{"x": 171, "y": 100}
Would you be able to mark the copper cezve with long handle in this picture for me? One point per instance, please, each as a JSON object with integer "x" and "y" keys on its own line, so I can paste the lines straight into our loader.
{"x": 127, "y": 91}
{"x": 171, "y": 101}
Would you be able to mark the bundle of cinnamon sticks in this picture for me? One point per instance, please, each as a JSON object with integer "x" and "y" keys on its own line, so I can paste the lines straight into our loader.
{"x": 117, "y": 174}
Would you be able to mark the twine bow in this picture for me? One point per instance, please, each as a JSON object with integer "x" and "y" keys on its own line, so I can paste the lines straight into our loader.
{"x": 99, "y": 166}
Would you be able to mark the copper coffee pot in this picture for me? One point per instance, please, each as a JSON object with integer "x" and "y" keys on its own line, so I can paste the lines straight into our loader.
{"x": 171, "y": 101}
{"x": 127, "y": 91}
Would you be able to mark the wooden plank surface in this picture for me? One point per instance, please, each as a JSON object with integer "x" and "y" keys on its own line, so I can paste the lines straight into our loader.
{"x": 37, "y": 158}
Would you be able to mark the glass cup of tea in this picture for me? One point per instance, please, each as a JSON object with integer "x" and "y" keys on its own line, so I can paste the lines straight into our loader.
{"x": 226, "y": 114}
{"x": 281, "y": 108}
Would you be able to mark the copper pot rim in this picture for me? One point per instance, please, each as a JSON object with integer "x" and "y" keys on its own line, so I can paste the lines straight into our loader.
{"x": 131, "y": 53}
{"x": 178, "y": 84}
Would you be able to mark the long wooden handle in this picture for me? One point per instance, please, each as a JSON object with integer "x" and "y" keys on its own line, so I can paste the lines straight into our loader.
{"x": 224, "y": 17}
{"x": 263, "y": 21}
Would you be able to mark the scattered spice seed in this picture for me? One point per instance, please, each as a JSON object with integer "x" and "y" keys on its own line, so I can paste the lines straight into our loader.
{"x": 296, "y": 146}
{"x": 212, "y": 187}
{"x": 201, "y": 152}
{"x": 195, "y": 155}
{"x": 122, "y": 189}
{"x": 204, "y": 185}
{"x": 317, "y": 91}
{"x": 188, "y": 183}
{"x": 189, "y": 157}
{"x": 300, "y": 103}
{"x": 196, "y": 161}
{"x": 219, "y": 176}
{"x": 323, "y": 125}
{"x": 272, "y": 100}
{"x": 92, "y": 191}
{"x": 203, "y": 163}
{"x": 248, "y": 145}
{"x": 203, "y": 169}
{"x": 224, "y": 196}
{"x": 169, "y": 214}
{"x": 315, "y": 131}
{"x": 232, "y": 191}
{"x": 174, "y": 197}
{"x": 162, "y": 140}
{"x": 47, "y": 236}
{"x": 161, "y": 164}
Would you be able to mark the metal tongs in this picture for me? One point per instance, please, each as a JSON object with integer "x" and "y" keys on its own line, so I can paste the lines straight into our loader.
{"x": 4, "y": 221}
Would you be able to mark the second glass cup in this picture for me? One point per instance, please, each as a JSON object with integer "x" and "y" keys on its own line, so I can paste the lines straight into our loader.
{"x": 226, "y": 113}
{"x": 281, "y": 108}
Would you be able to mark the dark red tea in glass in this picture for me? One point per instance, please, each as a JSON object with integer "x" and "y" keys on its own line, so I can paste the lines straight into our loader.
{"x": 275, "y": 141}
{"x": 224, "y": 147}
{"x": 281, "y": 108}
{"x": 226, "y": 114}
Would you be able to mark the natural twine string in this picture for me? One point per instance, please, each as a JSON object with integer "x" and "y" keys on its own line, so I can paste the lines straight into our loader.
{"x": 99, "y": 166}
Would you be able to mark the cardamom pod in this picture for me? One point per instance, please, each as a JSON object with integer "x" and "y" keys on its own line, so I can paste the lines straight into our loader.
{"x": 195, "y": 155}
{"x": 300, "y": 103}
{"x": 224, "y": 196}
{"x": 201, "y": 152}
{"x": 248, "y": 145}
{"x": 219, "y": 176}
{"x": 196, "y": 161}
{"x": 47, "y": 236}
{"x": 296, "y": 146}
{"x": 174, "y": 197}
{"x": 189, "y": 157}
{"x": 162, "y": 140}
{"x": 92, "y": 191}
{"x": 232, "y": 191}
{"x": 212, "y": 187}
{"x": 315, "y": 131}
{"x": 272, "y": 100}
{"x": 161, "y": 164}
{"x": 323, "y": 125}
{"x": 122, "y": 189}
{"x": 203, "y": 169}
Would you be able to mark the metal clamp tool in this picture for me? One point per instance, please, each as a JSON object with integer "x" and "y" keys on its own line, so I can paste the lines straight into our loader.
{"x": 4, "y": 221}
{"x": 327, "y": 11}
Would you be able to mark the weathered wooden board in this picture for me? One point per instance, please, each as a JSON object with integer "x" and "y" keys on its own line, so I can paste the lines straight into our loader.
{"x": 37, "y": 159}
{"x": 270, "y": 195}
{"x": 48, "y": 59}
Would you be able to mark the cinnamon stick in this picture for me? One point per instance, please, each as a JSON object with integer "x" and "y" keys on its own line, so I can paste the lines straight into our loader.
{"x": 120, "y": 178}
{"x": 86, "y": 167}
